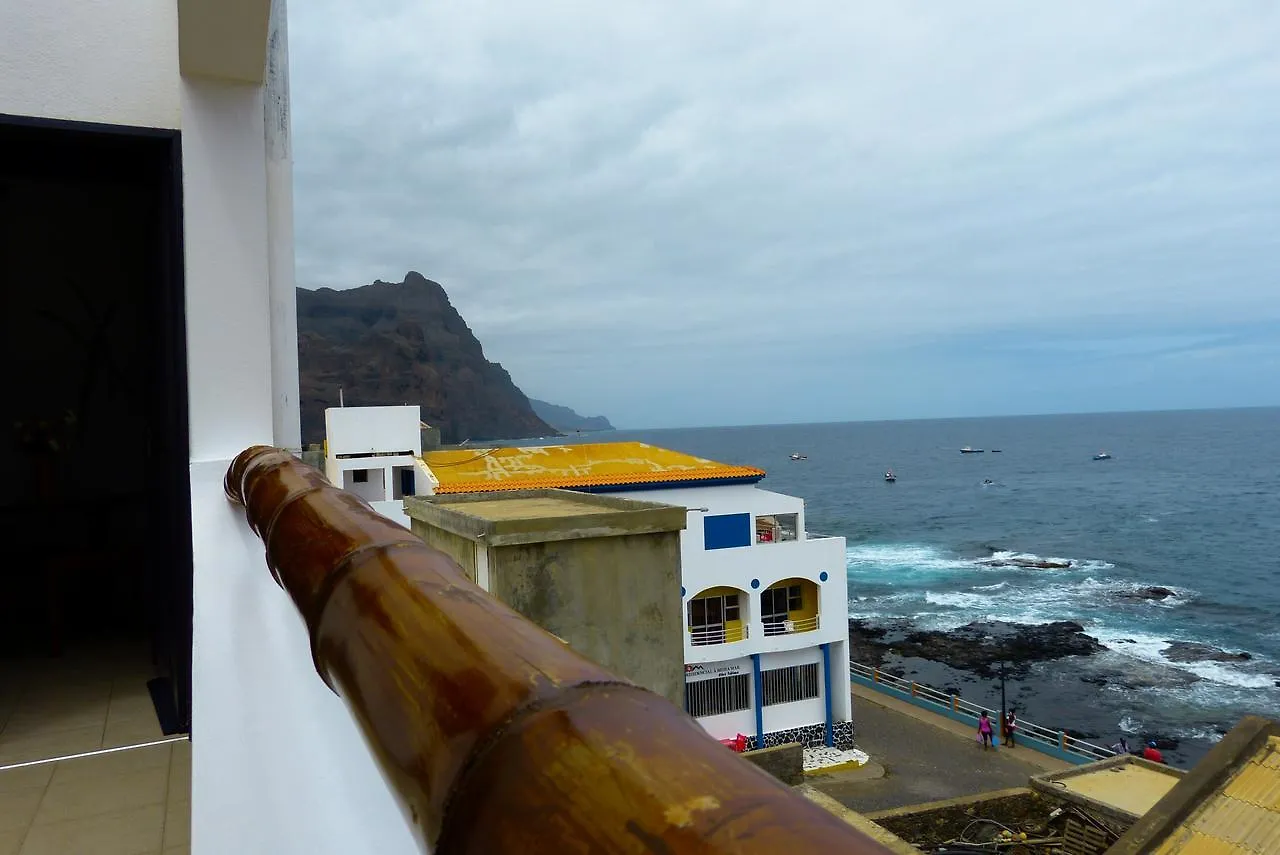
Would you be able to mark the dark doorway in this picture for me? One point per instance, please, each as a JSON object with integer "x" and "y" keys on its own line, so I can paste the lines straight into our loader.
{"x": 94, "y": 494}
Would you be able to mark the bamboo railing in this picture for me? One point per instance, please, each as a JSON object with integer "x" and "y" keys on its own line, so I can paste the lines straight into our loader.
{"x": 495, "y": 736}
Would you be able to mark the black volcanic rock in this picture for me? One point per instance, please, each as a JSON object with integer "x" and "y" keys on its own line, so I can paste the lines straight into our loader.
{"x": 978, "y": 647}
{"x": 1155, "y": 592}
{"x": 1190, "y": 651}
{"x": 404, "y": 343}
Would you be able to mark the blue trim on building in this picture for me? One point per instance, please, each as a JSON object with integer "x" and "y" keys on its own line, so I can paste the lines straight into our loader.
{"x": 667, "y": 485}
{"x": 826, "y": 676}
{"x": 759, "y": 684}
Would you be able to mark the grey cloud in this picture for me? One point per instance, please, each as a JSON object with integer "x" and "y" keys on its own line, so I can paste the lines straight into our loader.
{"x": 616, "y": 193}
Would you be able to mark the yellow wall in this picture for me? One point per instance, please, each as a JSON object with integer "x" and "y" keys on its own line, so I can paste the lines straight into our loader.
{"x": 730, "y": 626}
{"x": 810, "y": 596}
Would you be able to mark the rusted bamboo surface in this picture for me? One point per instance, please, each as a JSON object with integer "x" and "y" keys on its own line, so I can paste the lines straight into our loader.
{"x": 496, "y": 737}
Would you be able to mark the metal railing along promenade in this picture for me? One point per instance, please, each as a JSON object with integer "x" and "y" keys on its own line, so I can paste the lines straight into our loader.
{"x": 1056, "y": 743}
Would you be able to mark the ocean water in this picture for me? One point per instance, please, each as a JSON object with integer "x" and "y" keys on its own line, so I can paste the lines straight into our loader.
{"x": 1189, "y": 501}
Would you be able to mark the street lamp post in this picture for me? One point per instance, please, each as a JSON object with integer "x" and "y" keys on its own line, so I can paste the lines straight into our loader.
{"x": 1004, "y": 715}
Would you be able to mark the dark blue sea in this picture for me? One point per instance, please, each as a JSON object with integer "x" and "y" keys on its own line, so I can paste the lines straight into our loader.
{"x": 1189, "y": 501}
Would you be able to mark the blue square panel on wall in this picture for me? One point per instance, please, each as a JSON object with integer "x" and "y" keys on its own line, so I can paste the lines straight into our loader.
{"x": 726, "y": 530}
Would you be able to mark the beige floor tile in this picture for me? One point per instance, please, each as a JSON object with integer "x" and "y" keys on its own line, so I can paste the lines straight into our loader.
{"x": 11, "y": 841}
{"x": 180, "y": 780}
{"x": 130, "y": 832}
{"x": 177, "y": 824}
{"x": 86, "y": 797}
{"x": 45, "y": 745}
{"x": 18, "y": 808}
{"x": 128, "y": 707}
{"x": 131, "y": 732}
{"x": 54, "y": 718}
{"x": 107, "y": 766}
{"x": 25, "y": 778}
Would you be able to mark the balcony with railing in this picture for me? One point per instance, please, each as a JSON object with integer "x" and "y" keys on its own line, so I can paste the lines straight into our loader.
{"x": 719, "y": 635}
{"x": 493, "y": 735}
{"x": 790, "y": 627}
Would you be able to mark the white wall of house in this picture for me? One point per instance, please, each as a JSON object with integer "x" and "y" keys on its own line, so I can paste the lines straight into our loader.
{"x": 112, "y": 63}
{"x": 363, "y": 431}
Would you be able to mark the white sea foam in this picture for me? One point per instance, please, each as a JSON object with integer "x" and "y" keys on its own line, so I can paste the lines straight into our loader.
{"x": 1148, "y": 648}
{"x": 909, "y": 558}
{"x": 1030, "y": 557}
{"x": 902, "y": 557}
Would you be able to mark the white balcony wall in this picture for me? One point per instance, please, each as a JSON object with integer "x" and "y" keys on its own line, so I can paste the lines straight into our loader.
{"x": 279, "y": 766}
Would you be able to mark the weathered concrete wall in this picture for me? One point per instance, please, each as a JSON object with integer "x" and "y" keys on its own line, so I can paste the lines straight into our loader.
{"x": 457, "y": 547}
{"x": 784, "y": 762}
{"x": 613, "y": 599}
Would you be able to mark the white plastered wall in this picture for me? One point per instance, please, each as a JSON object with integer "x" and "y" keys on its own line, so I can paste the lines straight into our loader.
{"x": 113, "y": 63}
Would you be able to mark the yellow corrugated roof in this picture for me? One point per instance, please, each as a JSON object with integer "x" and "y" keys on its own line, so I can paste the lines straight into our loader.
{"x": 595, "y": 465}
{"x": 1240, "y": 819}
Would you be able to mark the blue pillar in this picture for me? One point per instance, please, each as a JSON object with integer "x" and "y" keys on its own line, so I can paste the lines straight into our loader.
{"x": 826, "y": 675}
{"x": 755, "y": 673}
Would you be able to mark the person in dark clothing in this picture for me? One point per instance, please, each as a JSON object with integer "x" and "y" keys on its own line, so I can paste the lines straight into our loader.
{"x": 1010, "y": 727}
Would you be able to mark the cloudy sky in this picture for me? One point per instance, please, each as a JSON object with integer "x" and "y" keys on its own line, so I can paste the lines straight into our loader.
{"x": 695, "y": 212}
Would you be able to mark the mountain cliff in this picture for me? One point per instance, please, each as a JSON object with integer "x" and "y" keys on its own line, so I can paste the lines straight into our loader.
{"x": 404, "y": 343}
{"x": 565, "y": 419}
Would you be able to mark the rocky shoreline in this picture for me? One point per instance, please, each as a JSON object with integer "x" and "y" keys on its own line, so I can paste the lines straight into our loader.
{"x": 1041, "y": 679}
{"x": 979, "y": 647}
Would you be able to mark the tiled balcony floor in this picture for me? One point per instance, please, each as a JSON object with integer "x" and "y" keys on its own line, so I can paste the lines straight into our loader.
{"x": 131, "y": 802}
{"x": 89, "y": 698}
{"x": 127, "y": 802}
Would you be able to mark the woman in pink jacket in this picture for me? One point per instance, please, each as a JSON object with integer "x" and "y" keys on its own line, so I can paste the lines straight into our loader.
{"x": 984, "y": 731}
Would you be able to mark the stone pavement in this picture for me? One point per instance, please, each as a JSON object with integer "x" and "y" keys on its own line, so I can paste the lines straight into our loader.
{"x": 926, "y": 757}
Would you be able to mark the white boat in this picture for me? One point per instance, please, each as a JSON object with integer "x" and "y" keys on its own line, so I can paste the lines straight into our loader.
{"x": 890, "y": 477}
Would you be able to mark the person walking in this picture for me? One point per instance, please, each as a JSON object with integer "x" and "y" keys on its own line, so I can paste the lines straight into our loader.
{"x": 1010, "y": 727}
{"x": 984, "y": 731}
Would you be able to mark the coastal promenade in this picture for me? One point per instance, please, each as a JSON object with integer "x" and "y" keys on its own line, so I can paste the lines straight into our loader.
{"x": 924, "y": 757}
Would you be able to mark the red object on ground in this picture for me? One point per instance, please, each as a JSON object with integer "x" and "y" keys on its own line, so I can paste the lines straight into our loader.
{"x": 1152, "y": 754}
{"x": 738, "y": 743}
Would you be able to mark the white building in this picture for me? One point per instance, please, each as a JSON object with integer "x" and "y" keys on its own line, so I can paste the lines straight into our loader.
{"x": 376, "y": 453}
{"x": 766, "y": 604}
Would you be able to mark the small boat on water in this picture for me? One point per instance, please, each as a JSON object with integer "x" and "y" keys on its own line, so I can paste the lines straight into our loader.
{"x": 1102, "y": 455}
{"x": 968, "y": 450}
{"x": 997, "y": 451}
{"x": 987, "y": 482}
{"x": 799, "y": 457}
{"x": 890, "y": 477}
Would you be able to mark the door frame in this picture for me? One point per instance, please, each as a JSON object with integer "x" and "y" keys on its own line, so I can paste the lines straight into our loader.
{"x": 170, "y": 569}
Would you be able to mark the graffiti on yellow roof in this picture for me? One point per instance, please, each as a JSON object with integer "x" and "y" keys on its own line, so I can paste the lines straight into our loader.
{"x": 570, "y": 466}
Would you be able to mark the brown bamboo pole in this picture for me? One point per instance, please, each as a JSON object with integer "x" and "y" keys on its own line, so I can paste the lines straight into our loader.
{"x": 496, "y": 737}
